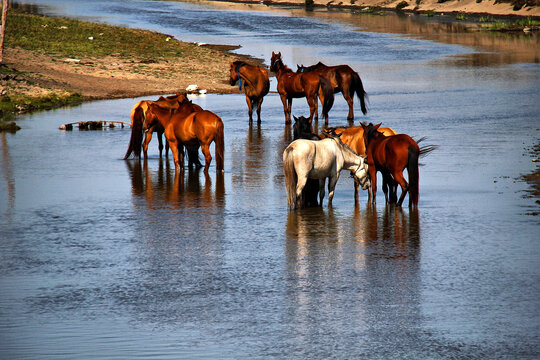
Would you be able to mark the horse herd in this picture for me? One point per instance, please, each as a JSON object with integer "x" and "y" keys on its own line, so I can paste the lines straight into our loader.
{"x": 311, "y": 158}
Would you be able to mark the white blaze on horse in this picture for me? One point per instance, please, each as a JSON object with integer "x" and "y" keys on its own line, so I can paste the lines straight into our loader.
{"x": 304, "y": 159}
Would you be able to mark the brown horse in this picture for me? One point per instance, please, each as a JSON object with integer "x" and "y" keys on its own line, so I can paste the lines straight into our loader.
{"x": 296, "y": 85}
{"x": 187, "y": 127}
{"x": 354, "y": 137}
{"x": 255, "y": 81}
{"x": 391, "y": 155}
{"x": 343, "y": 79}
{"x": 137, "y": 117}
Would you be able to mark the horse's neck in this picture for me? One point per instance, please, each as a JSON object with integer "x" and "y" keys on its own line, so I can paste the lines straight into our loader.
{"x": 350, "y": 160}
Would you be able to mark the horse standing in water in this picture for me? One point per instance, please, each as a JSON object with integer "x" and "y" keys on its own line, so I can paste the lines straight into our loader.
{"x": 188, "y": 127}
{"x": 255, "y": 81}
{"x": 296, "y": 85}
{"x": 304, "y": 159}
{"x": 391, "y": 155}
{"x": 137, "y": 118}
{"x": 343, "y": 79}
{"x": 354, "y": 137}
{"x": 302, "y": 130}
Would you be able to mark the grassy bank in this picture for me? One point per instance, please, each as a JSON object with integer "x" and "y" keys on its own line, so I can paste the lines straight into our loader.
{"x": 105, "y": 53}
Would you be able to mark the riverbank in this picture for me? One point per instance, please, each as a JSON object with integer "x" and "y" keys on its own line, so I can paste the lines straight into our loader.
{"x": 51, "y": 62}
{"x": 498, "y": 8}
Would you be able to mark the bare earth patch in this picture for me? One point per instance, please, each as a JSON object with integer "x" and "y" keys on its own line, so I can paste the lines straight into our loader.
{"x": 116, "y": 77}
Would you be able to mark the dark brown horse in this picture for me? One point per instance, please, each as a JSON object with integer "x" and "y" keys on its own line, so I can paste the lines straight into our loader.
{"x": 302, "y": 130}
{"x": 391, "y": 155}
{"x": 354, "y": 137}
{"x": 296, "y": 85}
{"x": 255, "y": 81}
{"x": 137, "y": 117}
{"x": 187, "y": 127}
{"x": 343, "y": 79}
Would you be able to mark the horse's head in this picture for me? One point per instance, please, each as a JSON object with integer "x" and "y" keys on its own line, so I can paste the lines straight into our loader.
{"x": 275, "y": 60}
{"x": 361, "y": 174}
{"x": 370, "y": 132}
{"x": 233, "y": 76}
{"x": 300, "y": 68}
{"x": 150, "y": 117}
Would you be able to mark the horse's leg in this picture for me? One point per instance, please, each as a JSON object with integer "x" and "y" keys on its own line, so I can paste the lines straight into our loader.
{"x": 289, "y": 109}
{"x": 175, "y": 147}
{"x": 312, "y": 102}
{"x": 398, "y": 176}
{"x": 285, "y": 111}
{"x": 160, "y": 141}
{"x": 332, "y": 181}
{"x": 166, "y": 148}
{"x": 348, "y": 94}
{"x": 250, "y": 108}
{"x": 321, "y": 190}
{"x": 259, "y": 104}
{"x": 300, "y": 184}
{"x": 205, "y": 148}
{"x": 147, "y": 138}
{"x": 373, "y": 176}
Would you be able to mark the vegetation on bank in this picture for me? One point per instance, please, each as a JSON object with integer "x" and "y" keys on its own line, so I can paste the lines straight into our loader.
{"x": 62, "y": 39}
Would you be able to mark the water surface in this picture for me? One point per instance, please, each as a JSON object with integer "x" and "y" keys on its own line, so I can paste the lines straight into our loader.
{"x": 106, "y": 258}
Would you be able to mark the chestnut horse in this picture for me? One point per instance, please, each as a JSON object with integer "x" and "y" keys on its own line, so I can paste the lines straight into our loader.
{"x": 391, "y": 155}
{"x": 187, "y": 127}
{"x": 343, "y": 79}
{"x": 354, "y": 137}
{"x": 255, "y": 81}
{"x": 137, "y": 117}
{"x": 296, "y": 85}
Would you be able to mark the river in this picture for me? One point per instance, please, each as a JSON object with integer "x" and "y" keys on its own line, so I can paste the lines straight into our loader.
{"x": 106, "y": 258}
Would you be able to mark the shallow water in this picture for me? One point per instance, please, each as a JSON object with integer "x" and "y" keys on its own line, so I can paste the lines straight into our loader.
{"x": 106, "y": 258}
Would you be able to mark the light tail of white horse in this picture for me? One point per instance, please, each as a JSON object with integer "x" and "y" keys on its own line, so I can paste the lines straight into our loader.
{"x": 290, "y": 177}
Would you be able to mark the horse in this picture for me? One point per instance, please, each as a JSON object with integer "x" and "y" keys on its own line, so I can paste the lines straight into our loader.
{"x": 302, "y": 130}
{"x": 296, "y": 85}
{"x": 391, "y": 155}
{"x": 343, "y": 79}
{"x": 187, "y": 127}
{"x": 137, "y": 117}
{"x": 354, "y": 137}
{"x": 304, "y": 159}
{"x": 255, "y": 81}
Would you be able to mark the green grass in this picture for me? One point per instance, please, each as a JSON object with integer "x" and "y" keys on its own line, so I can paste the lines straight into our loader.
{"x": 70, "y": 38}
{"x": 497, "y": 25}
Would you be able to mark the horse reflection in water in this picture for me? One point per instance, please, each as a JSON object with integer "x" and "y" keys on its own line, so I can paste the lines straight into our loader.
{"x": 370, "y": 260}
{"x": 166, "y": 187}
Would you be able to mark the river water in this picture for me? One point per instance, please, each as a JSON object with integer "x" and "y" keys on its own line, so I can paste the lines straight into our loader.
{"x": 106, "y": 258}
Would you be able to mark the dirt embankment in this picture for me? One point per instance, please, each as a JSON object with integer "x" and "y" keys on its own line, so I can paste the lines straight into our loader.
{"x": 493, "y": 7}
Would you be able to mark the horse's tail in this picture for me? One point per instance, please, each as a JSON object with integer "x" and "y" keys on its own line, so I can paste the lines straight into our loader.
{"x": 137, "y": 118}
{"x": 220, "y": 145}
{"x": 290, "y": 177}
{"x": 412, "y": 169}
{"x": 358, "y": 87}
{"x": 328, "y": 93}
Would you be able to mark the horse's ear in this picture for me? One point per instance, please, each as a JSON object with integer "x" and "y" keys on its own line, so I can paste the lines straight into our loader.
{"x": 363, "y": 126}
{"x": 377, "y": 126}
{"x": 295, "y": 118}
{"x": 279, "y": 54}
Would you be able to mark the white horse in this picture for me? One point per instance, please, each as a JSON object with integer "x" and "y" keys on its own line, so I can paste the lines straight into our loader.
{"x": 322, "y": 159}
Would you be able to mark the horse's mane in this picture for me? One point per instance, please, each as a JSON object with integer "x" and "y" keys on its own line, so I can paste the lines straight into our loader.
{"x": 239, "y": 63}
{"x": 283, "y": 66}
{"x": 335, "y": 137}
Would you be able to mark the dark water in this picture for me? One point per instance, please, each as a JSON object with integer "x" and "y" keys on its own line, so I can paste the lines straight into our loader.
{"x": 106, "y": 258}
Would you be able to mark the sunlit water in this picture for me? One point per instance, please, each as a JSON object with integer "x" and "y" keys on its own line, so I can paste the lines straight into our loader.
{"x": 106, "y": 258}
